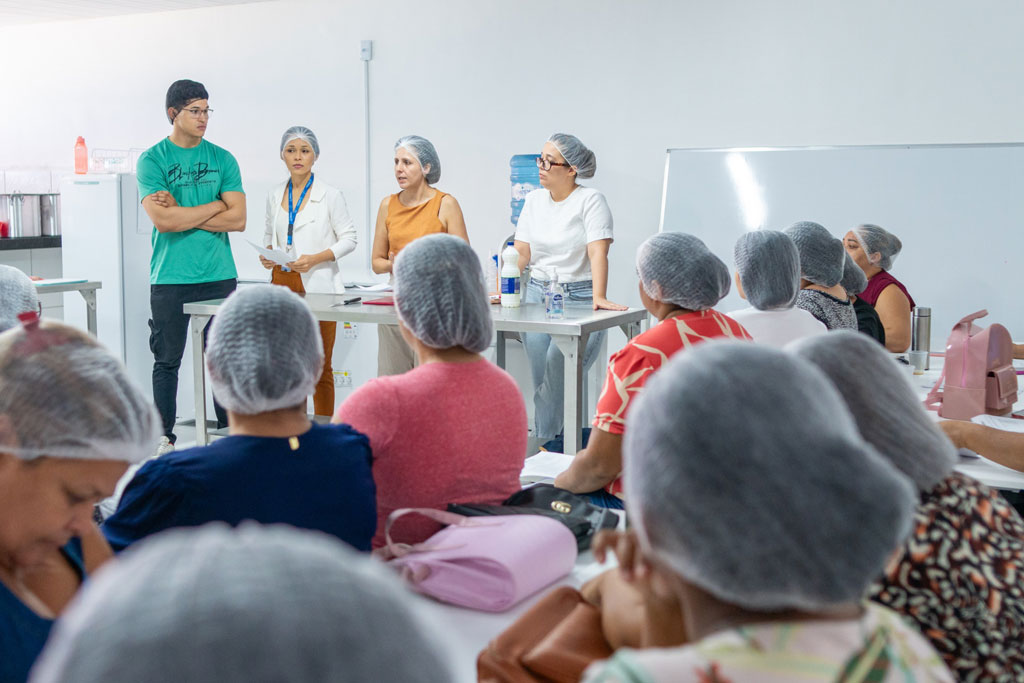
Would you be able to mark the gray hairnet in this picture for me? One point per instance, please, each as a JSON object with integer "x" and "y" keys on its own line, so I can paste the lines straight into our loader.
{"x": 745, "y": 474}
{"x": 854, "y": 281}
{"x": 17, "y": 295}
{"x": 880, "y": 245}
{"x": 575, "y": 154}
{"x": 821, "y": 254}
{"x": 883, "y": 403}
{"x": 62, "y": 395}
{"x": 264, "y": 351}
{"x": 425, "y": 153}
{"x": 440, "y": 295}
{"x": 256, "y": 604}
{"x": 769, "y": 268}
{"x": 300, "y": 133}
{"x": 678, "y": 268}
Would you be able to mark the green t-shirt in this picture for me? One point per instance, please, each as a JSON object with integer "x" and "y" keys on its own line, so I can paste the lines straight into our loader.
{"x": 194, "y": 176}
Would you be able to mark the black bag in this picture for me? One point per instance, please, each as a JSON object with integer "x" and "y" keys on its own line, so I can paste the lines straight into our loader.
{"x": 583, "y": 518}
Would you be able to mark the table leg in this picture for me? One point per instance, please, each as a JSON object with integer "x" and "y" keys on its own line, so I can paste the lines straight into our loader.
{"x": 198, "y": 322}
{"x": 90, "y": 309}
{"x": 572, "y": 348}
{"x": 630, "y": 329}
{"x": 499, "y": 349}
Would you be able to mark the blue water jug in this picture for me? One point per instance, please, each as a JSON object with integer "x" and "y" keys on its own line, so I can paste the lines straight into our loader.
{"x": 525, "y": 177}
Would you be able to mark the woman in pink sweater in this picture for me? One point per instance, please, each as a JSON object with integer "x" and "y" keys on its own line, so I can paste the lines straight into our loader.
{"x": 452, "y": 430}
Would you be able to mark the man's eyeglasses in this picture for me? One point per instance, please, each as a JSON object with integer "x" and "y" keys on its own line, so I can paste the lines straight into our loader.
{"x": 546, "y": 164}
{"x": 197, "y": 113}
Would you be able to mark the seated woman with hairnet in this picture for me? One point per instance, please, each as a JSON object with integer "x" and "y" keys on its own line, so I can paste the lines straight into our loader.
{"x": 760, "y": 517}
{"x": 873, "y": 249}
{"x": 239, "y": 606}
{"x": 680, "y": 282}
{"x": 768, "y": 276}
{"x": 958, "y": 575}
{"x": 17, "y": 295}
{"x": 821, "y": 269}
{"x": 453, "y": 429}
{"x": 276, "y": 466}
{"x": 854, "y": 283}
{"x": 70, "y": 424}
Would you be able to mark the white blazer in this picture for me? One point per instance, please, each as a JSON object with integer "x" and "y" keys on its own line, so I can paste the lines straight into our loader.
{"x": 323, "y": 223}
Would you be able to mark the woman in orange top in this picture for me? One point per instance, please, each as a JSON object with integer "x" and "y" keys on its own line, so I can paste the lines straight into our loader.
{"x": 417, "y": 210}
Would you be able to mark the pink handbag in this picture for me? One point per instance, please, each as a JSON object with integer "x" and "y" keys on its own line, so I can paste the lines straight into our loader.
{"x": 978, "y": 372}
{"x": 485, "y": 563}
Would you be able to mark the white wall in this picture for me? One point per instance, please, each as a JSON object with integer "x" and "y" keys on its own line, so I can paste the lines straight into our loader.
{"x": 486, "y": 80}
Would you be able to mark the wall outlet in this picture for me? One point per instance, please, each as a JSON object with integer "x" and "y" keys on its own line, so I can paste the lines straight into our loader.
{"x": 343, "y": 379}
{"x": 350, "y": 331}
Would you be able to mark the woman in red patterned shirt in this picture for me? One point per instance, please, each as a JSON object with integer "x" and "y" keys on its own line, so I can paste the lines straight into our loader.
{"x": 680, "y": 281}
{"x": 958, "y": 575}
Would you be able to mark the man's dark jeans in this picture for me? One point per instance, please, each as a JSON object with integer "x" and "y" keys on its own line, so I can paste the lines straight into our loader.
{"x": 168, "y": 330}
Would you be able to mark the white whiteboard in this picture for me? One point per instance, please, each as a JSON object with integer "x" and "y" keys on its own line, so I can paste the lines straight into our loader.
{"x": 958, "y": 209}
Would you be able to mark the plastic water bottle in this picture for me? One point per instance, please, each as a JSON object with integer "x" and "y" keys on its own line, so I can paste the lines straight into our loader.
{"x": 81, "y": 156}
{"x": 511, "y": 277}
{"x": 491, "y": 273}
{"x": 554, "y": 300}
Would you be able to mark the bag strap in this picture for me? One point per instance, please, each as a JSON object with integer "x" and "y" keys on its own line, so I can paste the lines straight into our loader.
{"x": 934, "y": 398}
{"x": 440, "y": 516}
{"x": 968, "y": 319}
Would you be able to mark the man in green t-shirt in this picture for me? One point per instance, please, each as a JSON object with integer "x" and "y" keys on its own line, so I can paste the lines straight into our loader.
{"x": 192, "y": 191}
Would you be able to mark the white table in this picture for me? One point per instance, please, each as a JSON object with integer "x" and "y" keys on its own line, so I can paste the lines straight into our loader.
{"x": 569, "y": 334}
{"x": 87, "y": 288}
{"x": 984, "y": 470}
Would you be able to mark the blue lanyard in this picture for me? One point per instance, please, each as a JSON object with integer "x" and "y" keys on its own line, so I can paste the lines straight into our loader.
{"x": 293, "y": 211}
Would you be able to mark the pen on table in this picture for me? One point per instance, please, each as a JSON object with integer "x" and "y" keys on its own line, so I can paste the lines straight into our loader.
{"x": 350, "y": 300}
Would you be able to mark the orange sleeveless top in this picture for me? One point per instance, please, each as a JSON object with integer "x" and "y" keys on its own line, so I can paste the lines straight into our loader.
{"x": 406, "y": 223}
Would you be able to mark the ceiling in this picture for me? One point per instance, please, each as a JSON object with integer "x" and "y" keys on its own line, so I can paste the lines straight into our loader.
{"x": 14, "y": 12}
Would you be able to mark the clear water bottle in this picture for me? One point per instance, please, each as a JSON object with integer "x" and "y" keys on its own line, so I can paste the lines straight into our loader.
{"x": 554, "y": 300}
{"x": 511, "y": 277}
{"x": 491, "y": 273}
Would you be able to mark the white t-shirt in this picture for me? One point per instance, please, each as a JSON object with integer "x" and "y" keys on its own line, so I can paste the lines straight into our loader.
{"x": 558, "y": 232}
{"x": 778, "y": 328}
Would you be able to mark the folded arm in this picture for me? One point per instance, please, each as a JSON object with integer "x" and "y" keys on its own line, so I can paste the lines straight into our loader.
{"x": 169, "y": 217}
{"x": 230, "y": 220}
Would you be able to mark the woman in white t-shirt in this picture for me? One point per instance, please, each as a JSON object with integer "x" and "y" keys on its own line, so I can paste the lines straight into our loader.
{"x": 309, "y": 219}
{"x": 564, "y": 231}
{"x": 768, "y": 276}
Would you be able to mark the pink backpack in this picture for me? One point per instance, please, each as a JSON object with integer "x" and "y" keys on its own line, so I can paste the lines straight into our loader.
{"x": 978, "y": 372}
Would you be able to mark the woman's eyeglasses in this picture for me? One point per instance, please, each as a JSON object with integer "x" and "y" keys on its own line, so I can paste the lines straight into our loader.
{"x": 546, "y": 164}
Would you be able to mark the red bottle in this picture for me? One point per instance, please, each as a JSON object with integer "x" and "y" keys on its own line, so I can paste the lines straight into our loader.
{"x": 81, "y": 156}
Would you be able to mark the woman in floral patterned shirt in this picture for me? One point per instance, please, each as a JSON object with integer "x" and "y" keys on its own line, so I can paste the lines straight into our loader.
{"x": 959, "y": 575}
{"x": 743, "y": 471}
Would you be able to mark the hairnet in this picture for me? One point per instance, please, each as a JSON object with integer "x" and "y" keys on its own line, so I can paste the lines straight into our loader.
{"x": 180, "y": 93}
{"x": 252, "y": 604}
{"x": 745, "y": 474}
{"x": 821, "y": 254}
{"x": 440, "y": 295}
{"x": 300, "y": 133}
{"x": 854, "y": 281}
{"x": 678, "y": 268}
{"x": 264, "y": 351}
{"x": 769, "y": 268}
{"x": 425, "y": 153}
{"x": 63, "y": 395}
{"x": 575, "y": 154}
{"x": 883, "y": 403}
{"x": 17, "y": 295}
{"x": 880, "y": 245}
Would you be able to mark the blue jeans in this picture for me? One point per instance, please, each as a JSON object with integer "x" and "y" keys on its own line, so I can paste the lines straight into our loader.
{"x": 547, "y": 364}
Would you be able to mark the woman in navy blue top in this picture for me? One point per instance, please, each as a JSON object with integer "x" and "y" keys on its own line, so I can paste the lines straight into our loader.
{"x": 70, "y": 423}
{"x": 276, "y": 467}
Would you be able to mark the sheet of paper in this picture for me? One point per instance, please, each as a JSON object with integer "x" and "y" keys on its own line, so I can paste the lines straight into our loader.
{"x": 58, "y": 281}
{"x": 380, "y": 287}
{"x": 276, "y": 255}
{"x": 1007, "y": 424}
{"x": 544, "y": 466}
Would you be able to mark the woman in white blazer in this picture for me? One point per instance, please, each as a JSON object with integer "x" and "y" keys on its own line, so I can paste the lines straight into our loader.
{"x": 309, "y": 219}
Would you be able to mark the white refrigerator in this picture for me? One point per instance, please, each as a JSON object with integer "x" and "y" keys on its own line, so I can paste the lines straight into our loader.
{"x": 106, "y": 236}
